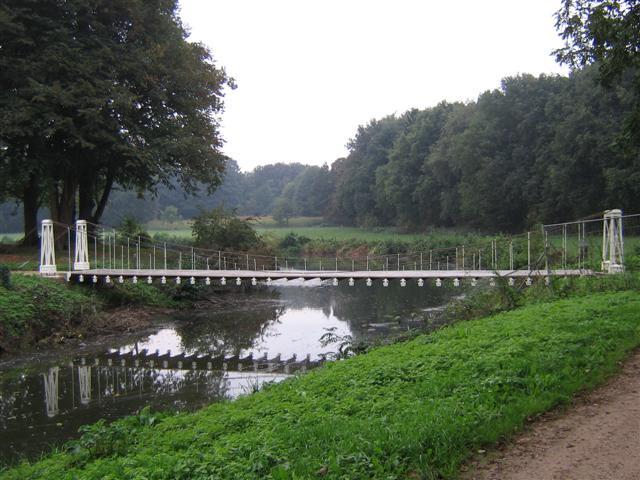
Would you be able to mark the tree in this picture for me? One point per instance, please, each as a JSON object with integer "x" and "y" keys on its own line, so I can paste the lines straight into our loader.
{"x": 265, "y": 184}
{"x": 219, "y": 229}
{"x": 130, "y": 228}
{"x": 282, "y": 211}
{"x": 104, "y": 92}
{"x": 354, "y": 197}
{"x": 397, "y": 181}
{"x": 169, "y": 214}
{"x": 311, "y": 191}
{"x": 606, "y": 32}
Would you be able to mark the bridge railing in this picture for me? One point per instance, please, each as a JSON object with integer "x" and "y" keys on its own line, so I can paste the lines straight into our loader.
{"x": 583, "y": 245}
{"x": 107, "y": 249}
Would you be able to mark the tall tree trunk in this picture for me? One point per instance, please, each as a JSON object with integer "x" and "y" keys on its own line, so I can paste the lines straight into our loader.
{"x": 30, "y": 204}
{"x": 86, "y": 200}
{"x": 92, "y": 202}
{"x": 104, "y": 197}
{"x": 63, "y": 203}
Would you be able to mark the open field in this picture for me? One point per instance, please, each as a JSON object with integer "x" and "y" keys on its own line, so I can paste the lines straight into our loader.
{"x": 258, "y": 222}
{"x": 339, "y": 233}
{"x": 10, "y": 237}
{"x": 313, "y": 232}
{"x": 466, "y": 387}
{"x": 310, "y": 227}
{"x": 294, "y": 222}
{"x": 178, "y": 233}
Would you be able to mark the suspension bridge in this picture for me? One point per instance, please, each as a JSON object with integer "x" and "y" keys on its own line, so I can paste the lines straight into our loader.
{"x": 96, "y": 253}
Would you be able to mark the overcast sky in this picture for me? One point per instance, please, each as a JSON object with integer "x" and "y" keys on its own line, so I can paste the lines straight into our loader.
{"x": 309, "y": 72}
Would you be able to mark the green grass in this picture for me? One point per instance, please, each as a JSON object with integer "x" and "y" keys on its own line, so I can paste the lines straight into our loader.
{"x": 33, "y": 308}
{"x": 10, "y": 237}
{"x": 294, "y": 222}
{"x": 167, "y": 232}
{"x": 415, "y": 409}
{"x": 315, "y": 233}
{"x": 340, "y": 233}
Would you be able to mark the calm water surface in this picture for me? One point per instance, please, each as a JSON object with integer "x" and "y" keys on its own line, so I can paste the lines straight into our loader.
{"x": 46, "y": 397}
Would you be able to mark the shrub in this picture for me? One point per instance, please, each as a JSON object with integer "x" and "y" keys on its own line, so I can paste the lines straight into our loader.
{"x": 292, "y": 244}
{"x": 5, "y": 276}
{"x": 223, "y": 230}
{"x": 132, "y": 229}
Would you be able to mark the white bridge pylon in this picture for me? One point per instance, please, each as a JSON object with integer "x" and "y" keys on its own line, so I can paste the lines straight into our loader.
{"x": 612, "y": 242}
{"x": 81, "y": 257}
{"x": 47, "y": 249}
{"x": 120, "y": 254}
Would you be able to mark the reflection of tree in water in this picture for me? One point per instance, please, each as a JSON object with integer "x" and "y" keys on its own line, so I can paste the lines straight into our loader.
{"x": 122, "y": 381}
{"x": 236, "y": 328}
{"x": 14, "y": 391}
{"x": 240, "y": 321}
{"x": 167, "y": 382}
{"x": 360, "y": 304}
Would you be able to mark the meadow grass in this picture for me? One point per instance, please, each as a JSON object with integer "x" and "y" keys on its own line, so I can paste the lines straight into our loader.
{"x": 340, "y": 233}
{"x": 177, "y": 233}
{"x": 10, "y": 237}
{"x": 314, "y": 233}
{"x": 415, "y": 409}
{"x": 294, "y": 222}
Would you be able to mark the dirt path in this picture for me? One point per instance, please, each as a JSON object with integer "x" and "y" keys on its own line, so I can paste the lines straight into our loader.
{"x": 596, "y": 438}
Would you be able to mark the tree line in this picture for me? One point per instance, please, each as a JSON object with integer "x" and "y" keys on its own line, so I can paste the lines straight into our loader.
{"x": 106, "y": 107}
{"x": 537, "y": 149}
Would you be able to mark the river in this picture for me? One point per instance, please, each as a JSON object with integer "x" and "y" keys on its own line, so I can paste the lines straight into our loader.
{"x": 46, "y": 396}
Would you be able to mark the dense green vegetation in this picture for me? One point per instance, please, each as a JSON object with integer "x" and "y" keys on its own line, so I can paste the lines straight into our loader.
{"x": 606, "y": 33}
{"x": 538, "y": 149}
{"x": 30, "y": 308}
{"x": 103, "y": 93}
{"x": 221, "y": 230}
{"x": 33, "y": 308}
{"x": 416, "y": 408}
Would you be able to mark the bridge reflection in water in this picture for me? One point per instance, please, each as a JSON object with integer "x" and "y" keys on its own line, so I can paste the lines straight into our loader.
{"x": 48, "y": 407}
{"x": 111, "y": 380}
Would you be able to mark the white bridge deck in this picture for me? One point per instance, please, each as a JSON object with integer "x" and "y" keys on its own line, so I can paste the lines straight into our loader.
{"x": 325, "y": 274}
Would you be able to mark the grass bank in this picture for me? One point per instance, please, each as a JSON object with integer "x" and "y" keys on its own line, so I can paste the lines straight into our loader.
{"x": 32, "y": 309}
{"x": 415, "y": 409}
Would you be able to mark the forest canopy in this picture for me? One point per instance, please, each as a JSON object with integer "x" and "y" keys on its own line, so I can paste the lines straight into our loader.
{"x": 537, "y": 149}
{"x": 100, "y": 93}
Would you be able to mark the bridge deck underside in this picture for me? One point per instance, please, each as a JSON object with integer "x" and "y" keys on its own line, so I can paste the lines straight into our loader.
{"x": 329, "y": 274}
